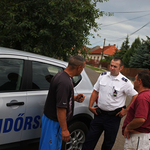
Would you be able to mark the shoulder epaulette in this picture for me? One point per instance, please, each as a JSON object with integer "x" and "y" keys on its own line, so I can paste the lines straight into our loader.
{"x": 104, "y": 73}
{"x": 124, "y": 79}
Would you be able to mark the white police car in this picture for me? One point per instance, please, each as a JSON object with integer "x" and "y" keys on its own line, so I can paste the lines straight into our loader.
{"x": 24, "y": 83}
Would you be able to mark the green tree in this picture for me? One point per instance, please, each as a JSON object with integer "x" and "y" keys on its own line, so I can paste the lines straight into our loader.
{"x": 108, "y": 59}
{"x": 48, "y": 27}
{"x": 124, "y": 47}
{"x": 141, "y": 57}
{"x": 129, "y": 53}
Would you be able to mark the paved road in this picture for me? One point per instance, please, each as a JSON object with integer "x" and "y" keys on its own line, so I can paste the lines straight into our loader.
{"x": 119, "y": 144}
{"x": 93, "y": 75}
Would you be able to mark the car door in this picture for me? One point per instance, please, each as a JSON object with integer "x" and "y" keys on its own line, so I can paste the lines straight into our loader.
{"x": 12, "y": 98}
{"x": 42, "y": 72}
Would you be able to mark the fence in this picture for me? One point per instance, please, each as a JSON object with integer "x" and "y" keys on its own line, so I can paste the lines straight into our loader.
{"x": 131, "y": 72}
{"x": 128, "y": 72}
{"x": 96, "y": 63}
{"x": 92, "y": 62}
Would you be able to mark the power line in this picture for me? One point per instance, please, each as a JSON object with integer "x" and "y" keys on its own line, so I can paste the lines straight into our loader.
{"x": 131, "y": 33}
{"x": 124, "y": 20}
{"x": 140, "y": 28}
{"x": 97, "y": 42}
{"x": 119, "y": 39}
{"x": 131, "y": 11}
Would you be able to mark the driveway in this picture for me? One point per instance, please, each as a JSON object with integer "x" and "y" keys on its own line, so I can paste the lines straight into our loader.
{"x": 93, "y": 75}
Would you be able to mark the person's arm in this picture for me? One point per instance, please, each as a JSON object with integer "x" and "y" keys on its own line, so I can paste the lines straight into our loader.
{"x": 123, "y": 112}
{"x": 61, "y": 115}
{"x": 92, "y": 100}
{"x": 134, "y": 124}
{"x": 133, "y": 98}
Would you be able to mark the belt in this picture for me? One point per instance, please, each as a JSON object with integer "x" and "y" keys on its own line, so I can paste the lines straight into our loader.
{"x": 110, "y": 113}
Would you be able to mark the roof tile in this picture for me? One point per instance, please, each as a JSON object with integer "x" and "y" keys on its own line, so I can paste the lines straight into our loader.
{"x": 108, "y": 50}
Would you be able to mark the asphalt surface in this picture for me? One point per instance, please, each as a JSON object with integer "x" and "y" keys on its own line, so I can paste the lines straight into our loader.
{"x": 119, "y": 144}
{"x": 93, "y": 75}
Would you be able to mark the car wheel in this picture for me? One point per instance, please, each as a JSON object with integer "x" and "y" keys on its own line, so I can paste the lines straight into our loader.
{"x": 78, "y": 131}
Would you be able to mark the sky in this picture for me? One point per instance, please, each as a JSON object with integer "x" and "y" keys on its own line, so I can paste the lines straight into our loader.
{"x": 131, "y": 17}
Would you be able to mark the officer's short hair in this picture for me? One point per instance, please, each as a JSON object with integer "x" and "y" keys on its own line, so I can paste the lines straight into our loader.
{"x": 116, "y": 59}
{"x": 76, "y": 60}
{"x": 144, "y": 75}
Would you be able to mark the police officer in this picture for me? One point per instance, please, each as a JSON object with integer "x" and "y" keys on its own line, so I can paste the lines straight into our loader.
{"x": 111, "y": 89}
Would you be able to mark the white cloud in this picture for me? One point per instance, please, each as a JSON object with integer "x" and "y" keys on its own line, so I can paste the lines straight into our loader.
{"x": 128, "y": 24}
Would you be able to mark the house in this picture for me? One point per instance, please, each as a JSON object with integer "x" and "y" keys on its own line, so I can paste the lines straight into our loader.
{"x": 94, "y": 56}
{"x": 97, "y": 53}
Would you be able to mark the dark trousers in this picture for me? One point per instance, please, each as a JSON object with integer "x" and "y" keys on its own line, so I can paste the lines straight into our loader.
{"x": 100, "y": 123}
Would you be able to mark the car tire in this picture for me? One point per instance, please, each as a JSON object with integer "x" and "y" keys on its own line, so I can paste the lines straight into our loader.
{"x": 78, "y": 131}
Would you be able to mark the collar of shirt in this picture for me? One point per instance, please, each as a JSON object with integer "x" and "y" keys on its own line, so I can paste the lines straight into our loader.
{"x": 118, "y": 77}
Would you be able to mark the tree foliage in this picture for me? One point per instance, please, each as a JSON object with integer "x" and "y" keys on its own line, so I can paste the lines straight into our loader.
{"x": 130, "y": 52}
{"x": 48, "y": 27}
{"x": 108, "y": 59}
{"x": 124, "y": 48}
{"x": 141, "y": 57}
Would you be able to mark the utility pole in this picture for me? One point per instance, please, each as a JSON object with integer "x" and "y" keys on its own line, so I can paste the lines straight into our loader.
{"x": 102, "y": 55}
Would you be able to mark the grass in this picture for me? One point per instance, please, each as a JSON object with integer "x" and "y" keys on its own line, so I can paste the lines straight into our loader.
{"x": 95, "y": 68}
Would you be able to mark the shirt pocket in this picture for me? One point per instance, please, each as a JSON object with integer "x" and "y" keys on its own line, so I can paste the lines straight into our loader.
{"x": 103, "y": 87}
{"x": 116, "y": 92}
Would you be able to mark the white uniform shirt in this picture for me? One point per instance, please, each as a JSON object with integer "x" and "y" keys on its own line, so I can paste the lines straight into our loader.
{"x": 113, "y": 91}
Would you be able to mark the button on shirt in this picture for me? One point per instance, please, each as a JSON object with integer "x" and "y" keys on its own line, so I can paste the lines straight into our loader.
{"x": 113, "y": 91}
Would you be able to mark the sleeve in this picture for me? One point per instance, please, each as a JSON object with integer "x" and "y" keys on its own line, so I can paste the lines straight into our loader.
{"x": 97, "y": 84}
{"x": 63, "y": 93}
{"x": 141, "y": 109}
{"x": 129, "y": 89}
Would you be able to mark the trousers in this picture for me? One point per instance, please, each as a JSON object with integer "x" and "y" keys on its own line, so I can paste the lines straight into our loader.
{"x": 103, "y": 122}
{"x": 138, "y": 142}
{"x": 50, "y": 135}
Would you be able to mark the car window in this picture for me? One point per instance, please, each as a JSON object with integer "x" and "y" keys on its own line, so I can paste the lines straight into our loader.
{"x": 42, "y": 74}
{"x": 76, "y": 80}
{"x": 10, "y": 74}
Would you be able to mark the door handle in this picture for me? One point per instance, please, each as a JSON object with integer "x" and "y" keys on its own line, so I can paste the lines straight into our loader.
{"x": 15, "y": 103}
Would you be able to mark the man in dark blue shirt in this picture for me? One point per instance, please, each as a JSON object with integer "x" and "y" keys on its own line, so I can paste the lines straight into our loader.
{"x": 59, "y": 106}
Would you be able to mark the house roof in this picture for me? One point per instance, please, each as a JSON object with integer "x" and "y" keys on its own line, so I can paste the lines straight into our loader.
{"x": 108, "y": 50}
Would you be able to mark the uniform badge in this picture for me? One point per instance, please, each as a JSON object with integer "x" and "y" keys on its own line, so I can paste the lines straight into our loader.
{"x": 104, "y": 73}
{"x": 115, "y": 93}
{"x": 124, "y": 79}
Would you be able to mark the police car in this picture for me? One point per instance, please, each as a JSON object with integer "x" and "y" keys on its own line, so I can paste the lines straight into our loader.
{"x": 24, "y": 83}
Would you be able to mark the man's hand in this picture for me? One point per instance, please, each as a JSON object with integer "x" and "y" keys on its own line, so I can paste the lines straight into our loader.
{"x": 93, "y": 110}
{"x": 79, "y": 98}
{"x": 122, "y": 113}
{"x": 65, "y": 135}
{"x": 126, "y": 133}
{"x": 61, "y": 115}
{"x": 132, "y": 126}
